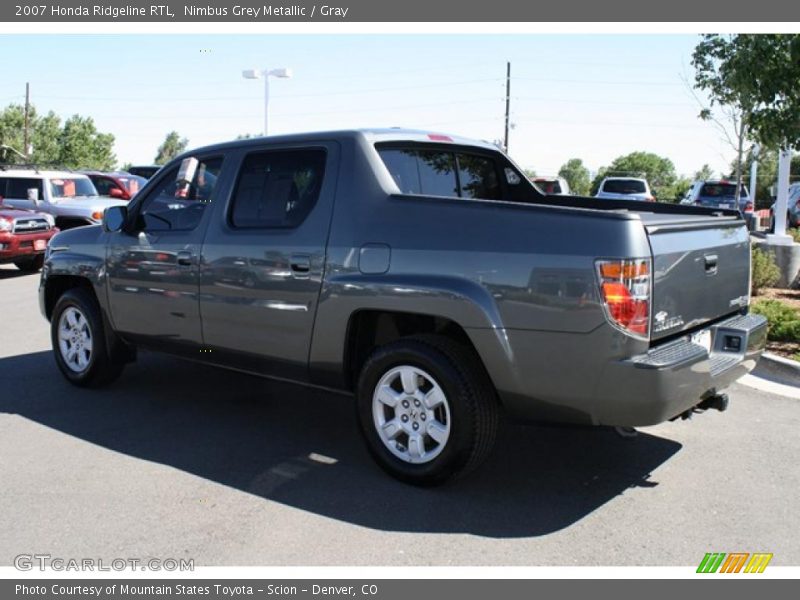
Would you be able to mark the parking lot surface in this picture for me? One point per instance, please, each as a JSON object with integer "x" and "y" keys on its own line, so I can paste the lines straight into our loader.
{"x": 183, "y": 461}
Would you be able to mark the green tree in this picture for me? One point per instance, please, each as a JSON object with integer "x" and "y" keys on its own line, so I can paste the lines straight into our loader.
{"x": 679, "y": 189}
{"x": 717, "y": 61}
{"x": 767, "y": 68}
{"x": 704, "y": 173}
{"x": 529, "y": 173}
{"x": 83, "y": 147}
{"x": 760, "y": 74}
{"x": 577, "y": 176}
{"x": 658, "y": 170}
{"x": 171, "y": 147}
{"x": 77, "y": 144}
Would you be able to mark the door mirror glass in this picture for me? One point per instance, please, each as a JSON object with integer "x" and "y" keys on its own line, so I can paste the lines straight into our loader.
{"x": 114, "y": 218}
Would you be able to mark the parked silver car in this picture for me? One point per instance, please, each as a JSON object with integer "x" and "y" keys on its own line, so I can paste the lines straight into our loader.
{"x": 718, "y": 193}
{"x": 792, "y": 209}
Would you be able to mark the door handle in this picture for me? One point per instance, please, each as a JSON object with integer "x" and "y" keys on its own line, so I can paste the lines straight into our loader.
{"x": 300, "y": 263}
{"x": 185, "y": 259}
{"x": 711, "y": 264}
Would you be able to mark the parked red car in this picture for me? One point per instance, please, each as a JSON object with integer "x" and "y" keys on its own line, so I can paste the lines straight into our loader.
{"x": 24, "y": 235}
{"x": 119, "y": 184}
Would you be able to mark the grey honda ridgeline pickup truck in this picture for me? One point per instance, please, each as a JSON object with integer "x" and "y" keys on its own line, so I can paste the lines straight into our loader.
{"x": 421, "y": 273}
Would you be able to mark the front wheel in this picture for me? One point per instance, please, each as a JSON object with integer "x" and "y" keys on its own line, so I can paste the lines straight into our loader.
{"x": 427, "y": 409}
{"x": 79, "y": 344}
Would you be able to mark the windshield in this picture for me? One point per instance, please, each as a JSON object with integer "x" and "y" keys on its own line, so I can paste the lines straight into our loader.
{"x": 721, "y": 190}
{"x": 72, "y": 187}
{"x": 624, "y": 186}
{"x": 132, "y": 183}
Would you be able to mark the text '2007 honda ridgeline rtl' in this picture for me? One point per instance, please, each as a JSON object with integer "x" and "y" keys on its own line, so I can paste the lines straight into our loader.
{"x": 421, "y": 273}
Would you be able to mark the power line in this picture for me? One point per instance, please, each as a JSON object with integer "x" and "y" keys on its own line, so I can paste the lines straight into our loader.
{"x": 593, "y": 101}
{"x": 598, "y": 82}
{"x": 195, "y": 98}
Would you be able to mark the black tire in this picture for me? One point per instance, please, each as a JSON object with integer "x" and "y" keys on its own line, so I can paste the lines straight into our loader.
{"x": 30, "y": 265}
{"x": 472, "y": 401}
{"x": 101, "y": 367}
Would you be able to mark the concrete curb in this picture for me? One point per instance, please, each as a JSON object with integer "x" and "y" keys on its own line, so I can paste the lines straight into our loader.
{"x": 778, "y": 369}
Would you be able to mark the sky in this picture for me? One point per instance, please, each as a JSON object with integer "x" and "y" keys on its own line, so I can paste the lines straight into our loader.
{"x": 593, "y": 97}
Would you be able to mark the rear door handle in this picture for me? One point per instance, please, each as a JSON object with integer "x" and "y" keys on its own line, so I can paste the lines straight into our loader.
{"x": 711, "y": 264}
{"x": 185, "y": 259}
{"x": 300, "y": 263}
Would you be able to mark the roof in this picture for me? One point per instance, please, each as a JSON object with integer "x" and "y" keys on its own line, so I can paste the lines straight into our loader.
{"x": 41, "y": 173}
{"x": 370, "y": 135}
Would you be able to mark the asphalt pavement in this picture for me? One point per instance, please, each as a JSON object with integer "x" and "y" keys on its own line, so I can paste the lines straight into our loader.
{"x": 177, "y": 460}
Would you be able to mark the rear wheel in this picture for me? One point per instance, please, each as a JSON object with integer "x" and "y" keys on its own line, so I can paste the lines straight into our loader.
{"x": 427, "y": 409}
{"x": 31, "y": 264}
{"x": 79, "y": 343}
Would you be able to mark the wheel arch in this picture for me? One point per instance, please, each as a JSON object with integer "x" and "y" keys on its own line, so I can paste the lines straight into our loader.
{"x": 369, "y": 328}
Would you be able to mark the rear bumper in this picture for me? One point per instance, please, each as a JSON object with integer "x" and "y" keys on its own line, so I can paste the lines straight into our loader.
{"x": 14, "y": 246}
{"x": 607, "y": 378}
{"x": 671, "y": 379}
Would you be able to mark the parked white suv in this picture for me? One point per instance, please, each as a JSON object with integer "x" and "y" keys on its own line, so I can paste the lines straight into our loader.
{"x": 70, "y": 198}
{"x": 625, "y": 188}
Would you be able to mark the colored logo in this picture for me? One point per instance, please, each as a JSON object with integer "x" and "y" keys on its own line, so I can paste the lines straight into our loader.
{"x": 734, "y": 562}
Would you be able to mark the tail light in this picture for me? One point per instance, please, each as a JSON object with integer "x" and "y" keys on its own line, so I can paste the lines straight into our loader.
{"x": 748, "y": 207}
{"x": 626, "y": 293}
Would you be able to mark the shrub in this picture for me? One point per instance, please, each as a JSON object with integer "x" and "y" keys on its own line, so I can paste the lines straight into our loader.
{"x": 795, "y": 233}
{"x": 784, "y": 321}
{"x": 765, "y": 271}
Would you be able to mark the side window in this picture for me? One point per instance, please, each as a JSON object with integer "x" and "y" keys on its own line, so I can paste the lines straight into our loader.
{"x": 176, "y": 205}
{"x": 277, "y": 188}
{"x": 430, "y": 172}
{"x": 103, "y": 186}
{"x": 18, "y": 187}
{"x": 478, "y": 177}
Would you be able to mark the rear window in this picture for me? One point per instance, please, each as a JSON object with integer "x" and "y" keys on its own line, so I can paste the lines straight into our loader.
{"x": 721, "y": 190}
{"x": 624, "y": 186}
{"x": 442, "y": 173}
{"x": 548, "y": 187}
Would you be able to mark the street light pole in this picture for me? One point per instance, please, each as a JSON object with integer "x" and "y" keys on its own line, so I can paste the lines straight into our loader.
{"x": 282, "y": 72}
{"x": 780, "y": 237}
{"x": 754, "y": 153}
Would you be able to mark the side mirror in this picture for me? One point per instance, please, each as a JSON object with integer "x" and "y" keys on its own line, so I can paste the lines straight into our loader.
{"x": 33, "y": 195}
{"x": 115, "y": 192}
{"x": 114, "y": 218}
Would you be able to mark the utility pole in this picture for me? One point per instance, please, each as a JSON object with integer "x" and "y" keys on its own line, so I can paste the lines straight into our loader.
{"x": 26, "y": 135}
{"x": 508, "y": 103}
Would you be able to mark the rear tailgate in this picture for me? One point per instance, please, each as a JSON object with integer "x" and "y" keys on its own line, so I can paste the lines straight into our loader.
{"x": 701, "y": 267}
